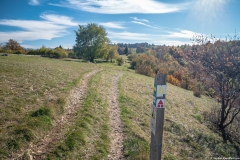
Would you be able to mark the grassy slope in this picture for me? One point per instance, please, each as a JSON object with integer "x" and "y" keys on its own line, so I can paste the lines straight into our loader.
{"x": 33, "y": 93}
{"x": 185, "y": 135}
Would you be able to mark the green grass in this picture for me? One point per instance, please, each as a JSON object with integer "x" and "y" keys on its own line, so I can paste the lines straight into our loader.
{"x": 186, "y": 136}
{"x": 33, "y": 93}
{"x": 89, "y": 137}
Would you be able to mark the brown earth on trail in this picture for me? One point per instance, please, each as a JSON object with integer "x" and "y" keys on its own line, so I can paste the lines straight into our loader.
{"x": 61, "y": 125}
{"x": 116, "y": 150}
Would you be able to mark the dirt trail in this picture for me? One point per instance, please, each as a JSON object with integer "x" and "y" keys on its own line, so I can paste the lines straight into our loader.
{"x": 116, "y": 150}
{"x": 60, "y": 126}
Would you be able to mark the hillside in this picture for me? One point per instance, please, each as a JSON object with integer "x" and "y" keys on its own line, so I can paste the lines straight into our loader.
{"x": 61, "y": 109}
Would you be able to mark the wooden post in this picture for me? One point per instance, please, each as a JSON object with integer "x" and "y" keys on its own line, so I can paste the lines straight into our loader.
{"x": 157, "y": 117}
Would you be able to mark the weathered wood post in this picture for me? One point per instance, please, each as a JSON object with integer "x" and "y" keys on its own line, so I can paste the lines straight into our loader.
{"x": 157, "y": 116}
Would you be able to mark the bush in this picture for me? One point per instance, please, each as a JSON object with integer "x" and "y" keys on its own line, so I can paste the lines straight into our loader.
{"x": 145, "y": 70}
{"x": 120, "y": 61}
{"x": 197, "y": 93}
{"x": 18, "y": 52}
{"x": 173, "y": 80}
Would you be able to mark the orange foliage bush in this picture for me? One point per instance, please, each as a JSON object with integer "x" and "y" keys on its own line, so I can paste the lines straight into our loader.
{"x": 173, "y": 80}
{"x": 145, "y": 70}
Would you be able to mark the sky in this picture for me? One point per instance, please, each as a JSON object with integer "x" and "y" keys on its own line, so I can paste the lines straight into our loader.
{"x": 34, "y": 23}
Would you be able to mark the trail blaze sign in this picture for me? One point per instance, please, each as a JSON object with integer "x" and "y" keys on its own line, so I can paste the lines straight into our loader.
{"x": 157, "y": 116}
{"x": 160, "y": 103}
{"x": 161, "y": 90}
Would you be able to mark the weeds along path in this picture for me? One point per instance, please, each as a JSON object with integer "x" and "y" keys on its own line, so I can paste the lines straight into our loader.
{"x": 60, "y": 126}
{"x": 116, "y": 149}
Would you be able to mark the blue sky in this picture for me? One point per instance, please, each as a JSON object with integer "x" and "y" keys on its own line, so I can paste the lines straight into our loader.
{"x": 51, "y": 23}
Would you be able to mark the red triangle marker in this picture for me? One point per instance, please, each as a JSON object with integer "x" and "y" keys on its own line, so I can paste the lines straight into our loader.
{"x": 160, "y": 104}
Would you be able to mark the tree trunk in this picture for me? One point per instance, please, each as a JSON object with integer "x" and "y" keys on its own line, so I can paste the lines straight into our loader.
{"x": 91, "y": 59}
{"x": 224, "y": 136}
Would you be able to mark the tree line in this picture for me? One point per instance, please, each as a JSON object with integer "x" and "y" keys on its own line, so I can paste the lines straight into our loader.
{"x": 210, "y": 66}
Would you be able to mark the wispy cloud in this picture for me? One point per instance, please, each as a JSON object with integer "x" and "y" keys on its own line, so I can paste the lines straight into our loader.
{"x": 129, "y": 36}
{"x": 170, "y": 42}
{"x": 114, "y": 25}
{"x": 176, "y": 37}
{"x": 181, "y": 34}
{"x": 144, "y": 24}
{"x": 122, "y": 6}
{"x": 34, "y": 2}
{"x": 59, "y": 19}
{"x": 141, "y": 20}
{"x": 46, "y": 29}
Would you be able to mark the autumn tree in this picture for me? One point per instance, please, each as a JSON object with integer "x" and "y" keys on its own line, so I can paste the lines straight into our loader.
{"x": 113, "y": 53}
{"x": 13, "y": 46}
{"x": 220, "y": 59}
{"x": 91, "y": 42}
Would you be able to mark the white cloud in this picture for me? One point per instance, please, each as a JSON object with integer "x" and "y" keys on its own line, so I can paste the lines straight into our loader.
{"x": 179, "y": 37}
{"x": 59, "y": 19}
{"x": 34, "y": 30}
{"x": 122, "y": 6}
{"x": 34, "y": 2}
{"x": 144, "y": 24}
{"x": 31, "y": 35}
{"x": 115, "y": 25}
{"x": 129, "y": 36}
{"x": 182, "y": 34}
{"x": 171, "y": 42}
{"x": 141, "y": 20}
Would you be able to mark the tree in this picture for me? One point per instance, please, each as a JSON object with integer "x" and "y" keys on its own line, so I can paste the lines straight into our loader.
{"x": 220, "y": 59}
{"x": 14, "y": 46}
{"x": 140, "y": 49}
{"x": 126, "y": 50}
{"x": 91, "y": 42}
{"x": 113, "y": 53}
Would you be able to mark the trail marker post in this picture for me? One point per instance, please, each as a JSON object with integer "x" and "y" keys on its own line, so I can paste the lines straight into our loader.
{"x": 157, "y": 116}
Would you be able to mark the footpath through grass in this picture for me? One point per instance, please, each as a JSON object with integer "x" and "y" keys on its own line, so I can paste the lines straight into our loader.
{"x": 89, "y": 137}
{"x": 33, "y": 93}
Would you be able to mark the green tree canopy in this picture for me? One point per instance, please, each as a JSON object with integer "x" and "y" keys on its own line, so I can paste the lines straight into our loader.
{"x": 91, "y": 42}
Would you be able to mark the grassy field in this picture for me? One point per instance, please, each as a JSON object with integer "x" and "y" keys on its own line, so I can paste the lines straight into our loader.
{"x": 33, "y": 93}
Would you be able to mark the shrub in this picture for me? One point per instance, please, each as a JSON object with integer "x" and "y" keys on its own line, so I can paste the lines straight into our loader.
{"x": 18, "y": 52}
{"x": 120, "y": 61}
{"x": 146, "y": 70}
{"x": 197, "y": 93}
{"x": 173, "y": 80}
